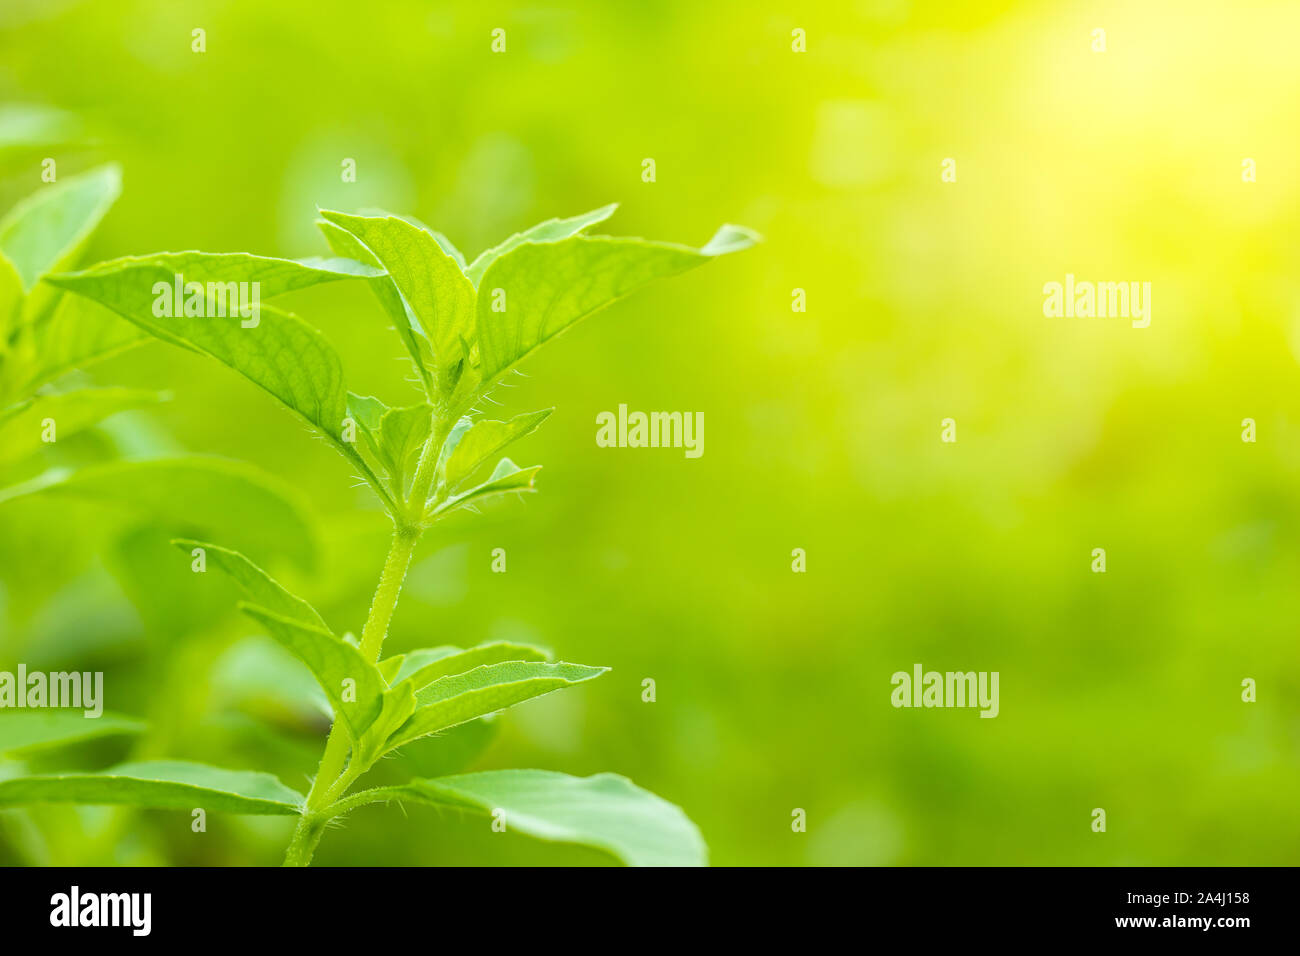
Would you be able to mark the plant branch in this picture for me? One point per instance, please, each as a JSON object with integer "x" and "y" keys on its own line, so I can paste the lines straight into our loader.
{"x": 376, "y": 795}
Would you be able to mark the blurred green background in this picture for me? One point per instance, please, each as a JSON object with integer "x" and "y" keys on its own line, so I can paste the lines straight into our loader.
{"x": 1118, "y": 690}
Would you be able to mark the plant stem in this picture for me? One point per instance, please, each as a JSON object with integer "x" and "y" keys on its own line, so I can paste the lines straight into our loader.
{"x": 386, "y": 593}
{"x": 305, "y": 838}
{"x": 427, "y": 468}
{"x": 406, "y": 535}
{"x": 308, "y": 832}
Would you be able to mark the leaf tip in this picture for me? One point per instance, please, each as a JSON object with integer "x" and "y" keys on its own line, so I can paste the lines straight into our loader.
{"x": 730, "y": 238}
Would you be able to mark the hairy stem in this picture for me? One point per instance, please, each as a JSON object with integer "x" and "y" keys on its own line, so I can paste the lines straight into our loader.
{"x": 406, "y": 535}
{"x": 426, "y": 470}
{"x": 307, "y": 834}
{"x": 386, "y": 593}
{"x": 305, "y": 838}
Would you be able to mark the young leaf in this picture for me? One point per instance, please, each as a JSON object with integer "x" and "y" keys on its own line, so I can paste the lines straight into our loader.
{"x": 21, "y": 425}
{"x": 27, "y": 731}
{"x": 484, "y": 690}
{"x": 446, "y": 244}
{"x": 390, "y": 667}
{"x": 407, "y": 326}
{"x": 160, "y": 784}
{"x": 402, "y": 432}
{"x": 354, "y": 686}
{"x": 551, "y": 285}
{"x": 482, "y": 440}
{"x": 507, "y": 477}
{"x": 227, "y": 499}
{"x": 262, "y": 589}
{"x": 47, "y": 229}
{"x": 399, "y": 704}
{"x": 430, "y": 282}
{"x": 551, "y": 230}
{"x": 605, "y": 811}
{"x": 368, "y": 411}
{"x": 393, "y": 436}
{"x": 412, "y": 661}
{"x": 422, "y": 672}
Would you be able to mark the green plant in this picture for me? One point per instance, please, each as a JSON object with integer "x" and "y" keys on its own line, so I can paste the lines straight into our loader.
{"x": 45, "y": 335}
{"x": 465, "y": 326}
{"x": 48, "y": 337}
{"x": 51, "y": 418}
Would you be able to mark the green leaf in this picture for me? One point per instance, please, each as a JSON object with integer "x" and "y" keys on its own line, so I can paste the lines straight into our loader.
{"x": 446, "y": 244}
{"x": 412, "y": 661}
{"x": 431, "y": 283}
{"x": 262, "y": 589}
{"x": 604, "y": 811}
{"x": 402, "y": 433}
{"x": 368, "y": 411}
{"x": 551, "y": 285}
{"x": 130, "y": 280}
{"x": 226, "y": 499}
{"x": 270, "y": 347}
{"x": 338, "y": 667}
{"x": 398, "y": 705}
{"x": 160, "y": 784}
{"x": 458, "y": 698}
{"x": 551, "y": 230}
{"x": 408, "y": 327}
{"x": 390, "y": 667}
{"x": 27, "y": 731}
{"x": 422, "y": 671}
{"x": 405, "y": 323}
{"x": 78, "y": 333}
{"x": 506, "y": 478}
{"x": 281, "y": 352}
{"x": 21, "y": 425}
{"x": 482, "y": 441}
{"x": 11, "y": 299}
{"x": 730, "y": 239}
{"x": 393, "y": 436}
{"x": 47, "y": 229}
